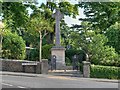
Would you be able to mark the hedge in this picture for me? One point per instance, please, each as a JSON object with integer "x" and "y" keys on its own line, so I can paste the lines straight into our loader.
{"x": 109, "y": 72}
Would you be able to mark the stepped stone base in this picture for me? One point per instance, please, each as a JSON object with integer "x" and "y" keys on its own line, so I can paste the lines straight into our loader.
{"x": 68, "y": 73}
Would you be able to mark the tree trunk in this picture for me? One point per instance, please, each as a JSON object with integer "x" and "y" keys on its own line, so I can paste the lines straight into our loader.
{"x": 1, "y": 46}
{"x": 40, "y": 51}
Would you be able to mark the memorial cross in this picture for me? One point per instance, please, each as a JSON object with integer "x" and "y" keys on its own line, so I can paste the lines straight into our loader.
{"x": 58, "y": 16}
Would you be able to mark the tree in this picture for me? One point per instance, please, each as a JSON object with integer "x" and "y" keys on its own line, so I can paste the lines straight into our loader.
{"x": 40, "y": 24}
{"x": 82, "y": 37}
{"x": 15, "y": 15}
{"x": 65, "y": 7}
{"x": 65, "y": 32}
{"x": 95, "y": 45}
{"x": 101, "y": 53}
{"x": 1, "y": 37}
{"x": 113, "y": 35}
{"x": 101, "y": 14}
{"x": 13, "y": 46}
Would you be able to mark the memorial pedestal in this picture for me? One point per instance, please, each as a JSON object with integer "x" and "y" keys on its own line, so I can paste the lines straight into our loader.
{"x": 59, "y": 52}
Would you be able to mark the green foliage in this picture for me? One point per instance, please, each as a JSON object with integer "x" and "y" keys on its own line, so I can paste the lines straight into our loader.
{"x": 39, "y": 23}
{"x": 15, "y": 15}
{"x": 65, "y": 7}
{"x": 105, "y": 72}
{"x": 68, "y": 61}
{"x": 113, "y": 35}
{"x": 46, "y": 51}
{"x": 34, "y": 55}
{"x": 70, "y": 53}
{"x": 13, "y": 46}
{"x": 42, "y": 26}
{"x": 101, "y": 54}
{"x": 95, "y": 45}
{"x": 101, "y": 14}
{"x": 80, "y": 38}
{"x": 69, "y": 9}
{"x": 65, "y": 32}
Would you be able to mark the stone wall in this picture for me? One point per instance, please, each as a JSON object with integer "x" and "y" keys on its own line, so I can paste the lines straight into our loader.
{"x": 14, "y": 65}
{"x": 24, "y": 66}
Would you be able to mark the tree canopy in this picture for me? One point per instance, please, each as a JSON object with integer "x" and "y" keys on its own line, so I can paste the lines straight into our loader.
{"x": 101, "y": 14}
{"x": 13, "y": 46}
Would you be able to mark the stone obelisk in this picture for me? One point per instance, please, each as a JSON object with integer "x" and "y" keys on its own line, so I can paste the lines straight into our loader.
{"x": 58, "y": 50}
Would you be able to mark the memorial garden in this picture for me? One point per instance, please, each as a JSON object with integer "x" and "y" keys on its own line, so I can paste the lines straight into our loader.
{"x": 31, "y": 31}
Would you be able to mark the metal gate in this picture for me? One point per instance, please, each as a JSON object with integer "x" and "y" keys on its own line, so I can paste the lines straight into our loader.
{"x": 75, "y": 62}
{"x": 53, "y": 62}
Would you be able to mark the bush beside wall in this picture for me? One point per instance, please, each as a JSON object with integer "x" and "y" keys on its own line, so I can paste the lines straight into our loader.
{"x": 13, "y": 46}
{"x": 109, "y": 72}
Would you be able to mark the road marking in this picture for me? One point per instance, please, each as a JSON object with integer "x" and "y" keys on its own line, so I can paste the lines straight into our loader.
{"x": 7, "y": 84}
{"x": 21, "y": 87}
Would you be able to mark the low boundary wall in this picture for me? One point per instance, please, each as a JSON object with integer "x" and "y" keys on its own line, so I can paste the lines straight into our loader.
{"x": 17, "y": 66}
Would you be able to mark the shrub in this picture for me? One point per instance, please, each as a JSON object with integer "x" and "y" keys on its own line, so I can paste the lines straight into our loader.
{"x": 106, "y": 57}
{"x": 46, "y": 51}
{"x": 70, "y": 53}
{"x": 109, "y": 72}
{"x": 34, "y": 55}
{"x": 13, "y": 46}
{"x": 102, "y": 54}
{"x": 68, "y": 61}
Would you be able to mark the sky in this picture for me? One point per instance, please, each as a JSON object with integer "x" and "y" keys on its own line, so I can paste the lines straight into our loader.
{"x": 69, "y": 20}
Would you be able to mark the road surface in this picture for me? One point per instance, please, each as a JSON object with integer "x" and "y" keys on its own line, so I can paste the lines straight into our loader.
{"x": 9, "y": 81}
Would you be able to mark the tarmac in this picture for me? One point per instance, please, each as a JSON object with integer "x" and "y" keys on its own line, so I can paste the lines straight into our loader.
{"x": 58, "y": 74}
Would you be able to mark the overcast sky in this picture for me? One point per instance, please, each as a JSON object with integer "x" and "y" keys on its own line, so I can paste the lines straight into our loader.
{"x": 70, "y": 20}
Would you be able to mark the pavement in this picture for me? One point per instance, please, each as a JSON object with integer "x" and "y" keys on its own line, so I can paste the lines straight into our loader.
{"x": 59, "y": 74}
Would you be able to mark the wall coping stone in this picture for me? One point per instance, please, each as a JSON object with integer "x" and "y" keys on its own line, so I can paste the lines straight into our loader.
{"x": 17, "y": 60}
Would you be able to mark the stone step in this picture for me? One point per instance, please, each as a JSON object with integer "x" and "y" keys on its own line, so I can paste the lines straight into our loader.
{"x": 71, "y": 73}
